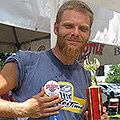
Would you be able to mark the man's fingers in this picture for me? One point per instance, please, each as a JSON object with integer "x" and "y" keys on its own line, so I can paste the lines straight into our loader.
{"x": 52, "y": 109}
{"x": 42, "y": 99}
{"x": 105, "y": 114}
{"x": 86, "y": 115}
{"x": 104, "y": 109}
{"x": 40, "y": 94}
{"x": 49, "y": 114}
{"x": 51, "y": 103}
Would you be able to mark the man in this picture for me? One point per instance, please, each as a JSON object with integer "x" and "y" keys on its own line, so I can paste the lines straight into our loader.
{"x": 26, "y": 73}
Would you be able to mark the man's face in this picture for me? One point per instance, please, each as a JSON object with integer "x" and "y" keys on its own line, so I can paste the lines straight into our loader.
{"x": 72, "y": 32}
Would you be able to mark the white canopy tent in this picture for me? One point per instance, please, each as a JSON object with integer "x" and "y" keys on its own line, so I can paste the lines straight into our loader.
{"x": 25, "y": 24}
{"x": 113, "y": 5}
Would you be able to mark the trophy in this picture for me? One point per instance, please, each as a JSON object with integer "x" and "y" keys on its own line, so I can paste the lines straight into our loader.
{"x": 94, "y": 95}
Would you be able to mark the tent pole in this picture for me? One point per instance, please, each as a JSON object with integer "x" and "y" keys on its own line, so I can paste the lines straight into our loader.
{"x": 52, "y": 19}
{"x": 17, "y": 44}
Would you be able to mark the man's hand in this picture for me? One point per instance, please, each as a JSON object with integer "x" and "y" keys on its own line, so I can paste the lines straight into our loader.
{"x": 39, "y": 106}
{"x": 105, "y": 114}
{"x": 103, "y": 117}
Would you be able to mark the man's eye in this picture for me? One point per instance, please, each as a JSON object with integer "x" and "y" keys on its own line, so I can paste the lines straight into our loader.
{"x": 84, "y": 29}
{"x": 68, "y": 26}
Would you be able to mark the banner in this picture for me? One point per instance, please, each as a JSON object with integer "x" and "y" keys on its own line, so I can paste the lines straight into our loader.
{"x": 107, "y": 54}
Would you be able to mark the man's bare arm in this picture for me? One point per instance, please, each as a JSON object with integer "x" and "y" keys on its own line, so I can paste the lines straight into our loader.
{"x": 8, "y": 77}
{"x": 35, "y": 107}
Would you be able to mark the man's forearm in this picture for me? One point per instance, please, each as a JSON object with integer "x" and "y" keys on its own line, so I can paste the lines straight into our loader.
{"x": 11, "y": 109}
{"x": 35, "y": 107}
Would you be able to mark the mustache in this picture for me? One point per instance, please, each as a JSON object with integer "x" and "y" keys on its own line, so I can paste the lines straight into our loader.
{"x": 74, "y": 39}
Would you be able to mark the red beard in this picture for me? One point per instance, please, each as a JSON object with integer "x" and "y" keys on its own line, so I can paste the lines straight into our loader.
{"x": 68, "y": 50}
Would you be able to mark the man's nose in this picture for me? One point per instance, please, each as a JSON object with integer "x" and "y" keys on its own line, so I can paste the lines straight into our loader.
{"x": 75, "y": 32}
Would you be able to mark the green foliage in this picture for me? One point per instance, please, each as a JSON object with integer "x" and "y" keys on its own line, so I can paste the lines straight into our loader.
{"x": 113, "y": 75}
{"x": 3, "y": 57}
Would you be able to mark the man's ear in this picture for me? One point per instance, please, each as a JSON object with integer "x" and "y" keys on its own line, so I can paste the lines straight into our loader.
{"x": 55, "y": 28}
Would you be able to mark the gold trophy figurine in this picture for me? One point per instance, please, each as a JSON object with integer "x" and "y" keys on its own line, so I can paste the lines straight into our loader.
{"x": 92, "y": 67}
{"x": 94, "y": 95}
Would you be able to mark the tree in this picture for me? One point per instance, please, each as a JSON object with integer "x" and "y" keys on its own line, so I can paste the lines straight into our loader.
{"x": 3, "y": 57}
{"x": 113, "y": 75}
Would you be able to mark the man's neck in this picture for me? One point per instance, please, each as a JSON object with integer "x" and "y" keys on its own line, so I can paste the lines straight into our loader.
{"x": 64, "y": 59}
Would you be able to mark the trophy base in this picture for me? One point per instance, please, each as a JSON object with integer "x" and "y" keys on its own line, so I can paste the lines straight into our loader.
{"x": 95, "y": 107}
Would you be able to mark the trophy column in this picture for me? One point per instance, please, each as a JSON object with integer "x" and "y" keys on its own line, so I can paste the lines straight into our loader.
{"x": 94, "y": 95}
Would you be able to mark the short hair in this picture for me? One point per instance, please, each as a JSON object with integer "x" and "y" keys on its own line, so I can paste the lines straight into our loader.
{"x": 75, "y": 5}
